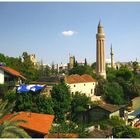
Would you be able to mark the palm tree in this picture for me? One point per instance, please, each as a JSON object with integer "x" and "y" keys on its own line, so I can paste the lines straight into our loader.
{"x": 9, "y": 128}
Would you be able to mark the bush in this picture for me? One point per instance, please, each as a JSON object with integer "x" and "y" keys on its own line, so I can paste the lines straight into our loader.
{"x": 125, "y": 132}
{"x": 116, "y": 121}
{"x": 3, "y": 90}
{"x": 10, "y": 96}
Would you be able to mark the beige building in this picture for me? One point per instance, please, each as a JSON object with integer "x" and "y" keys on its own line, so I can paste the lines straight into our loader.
{"x": 100, "y": 52}
{"x": 84, "y": 84}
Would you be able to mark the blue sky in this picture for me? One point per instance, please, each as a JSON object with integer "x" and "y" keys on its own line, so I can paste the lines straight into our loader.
{"x": 52, "y": 30}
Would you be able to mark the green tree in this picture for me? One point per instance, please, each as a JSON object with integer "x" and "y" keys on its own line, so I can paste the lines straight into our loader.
{"x": 81, "y": 70}
{"x": 34, "y": 102}
{"x": 62, "y": 100}
{"x": 99, "y": 89}
{"x": 135, "y": 66}
{"x": 74, "y": 64}
{"x": 111, "y": 74}
{"x": 133, "y": 88}
{"x": 85, "y": 64}
{"x": 44, "y": 104}
{"x": 3, "y": 90}
{"x": 116, "y": 121}
{"x": 79, "y": 104}
{"x": 10, "y": 96}
{"x": 125, "y": 132}
{"x": 28, "y": 68}
{"x": 9, "y": 128}
{"x": 124, "y": 73}
{"x": 2, "y": 57}
{"x": 93, "y": 66}
{"x": 113, "y": 93}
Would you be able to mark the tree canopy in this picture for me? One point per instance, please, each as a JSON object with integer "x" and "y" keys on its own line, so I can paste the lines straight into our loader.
{"x": 62, "y": 99}
{"x": 125, "y": 132}
{"x": 81, "y": 70}
{"x": 113, "y": 93}
{"x": 79, "y": 104}
{"x": 34, "y": 102}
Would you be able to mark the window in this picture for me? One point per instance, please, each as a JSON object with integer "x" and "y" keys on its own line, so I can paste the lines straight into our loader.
{"x": 74, "y": 85}
{"x": 93, "y": 83}
{"x": 84, "y": 84}
{"x": 91, "y": 91}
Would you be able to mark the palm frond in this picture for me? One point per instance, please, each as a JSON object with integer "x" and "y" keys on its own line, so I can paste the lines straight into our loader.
{"x": 5, "y": 108}
{"x": 14, "y": 122}
{"x": 15, "y": 132}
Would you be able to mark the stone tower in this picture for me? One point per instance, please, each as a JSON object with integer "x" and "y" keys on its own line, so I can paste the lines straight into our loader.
{"x": 100, "y": 51}
{"x": 33, "y": 59}
{"x": 112, "y": 57}
{"x": 71, "y": 62}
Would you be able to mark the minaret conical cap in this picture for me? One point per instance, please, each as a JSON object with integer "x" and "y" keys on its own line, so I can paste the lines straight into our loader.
{"x": 100, "y": 25}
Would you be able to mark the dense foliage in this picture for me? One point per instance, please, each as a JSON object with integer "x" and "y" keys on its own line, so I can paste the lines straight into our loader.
{"x": 113, "y": 93}
{"x": 121, "y": 85}
{"x": 81, "y": 70}
{"x": 79, "y": 105}
{"x": 125, "y": 132}
{"x": 34, "y": 102}
{"x": 62, "y": 100}
{"x": 3, "y": 90}
{"x": 24, "y": 65}
{"x": 114, "y": 121}
{"x": 70, "y": 128}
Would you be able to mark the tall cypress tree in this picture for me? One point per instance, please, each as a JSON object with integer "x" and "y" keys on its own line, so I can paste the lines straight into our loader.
{"x": 85, "y": 62}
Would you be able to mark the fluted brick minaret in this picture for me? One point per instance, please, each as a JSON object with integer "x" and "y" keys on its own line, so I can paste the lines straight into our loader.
{"x": 100, "y": 52}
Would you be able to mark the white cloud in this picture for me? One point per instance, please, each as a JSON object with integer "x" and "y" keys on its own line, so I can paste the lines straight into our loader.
{"x": 68, "y": 33}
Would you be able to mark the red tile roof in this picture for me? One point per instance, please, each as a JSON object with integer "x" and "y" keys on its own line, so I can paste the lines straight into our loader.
{"x": 79, "y": 79}
{"x": 12, "y": 71}
{"x": 37, "y": 122}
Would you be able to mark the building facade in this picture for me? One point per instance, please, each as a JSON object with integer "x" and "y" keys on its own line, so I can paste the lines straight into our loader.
{"x": 9, "y": 75}
{"x": 84, "y": 84}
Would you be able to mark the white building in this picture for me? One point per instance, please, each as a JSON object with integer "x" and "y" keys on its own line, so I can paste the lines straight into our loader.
{"x": 84, "y": 84}
{"x": 8, "y": 75}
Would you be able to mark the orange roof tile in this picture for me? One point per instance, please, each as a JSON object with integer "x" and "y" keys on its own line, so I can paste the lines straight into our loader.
{"x": 79, "y": 79}
{"x": 88, "y": 78}
{"x": 12, "y": 71}
{"x": 138, "y": 126}
{"x": 37, "y": 122}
